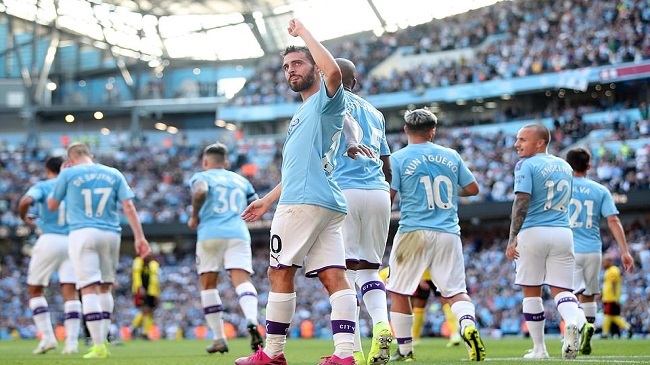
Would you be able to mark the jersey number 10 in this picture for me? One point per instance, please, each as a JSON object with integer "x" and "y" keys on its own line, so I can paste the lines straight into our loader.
{"x": 434, "y": 191}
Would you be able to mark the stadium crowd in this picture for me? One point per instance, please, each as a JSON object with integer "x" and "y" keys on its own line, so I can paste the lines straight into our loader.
{"x": 490, "y": 279}
{"x": 534, "y": 37}
{"x": 158, "y": 174}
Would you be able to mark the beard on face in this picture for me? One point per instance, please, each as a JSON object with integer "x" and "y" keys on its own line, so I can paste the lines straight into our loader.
{"x": 304, "y": 83}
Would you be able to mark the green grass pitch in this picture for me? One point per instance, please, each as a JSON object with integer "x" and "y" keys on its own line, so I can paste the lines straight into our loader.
{"x": 304, "y": 352}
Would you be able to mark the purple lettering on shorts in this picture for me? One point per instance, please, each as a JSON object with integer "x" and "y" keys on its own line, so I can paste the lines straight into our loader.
{"x": 342, "y": 326}
{"x": 566, "y": 300}
{"x": 89, "y": 317}
{"x": 213, "y": 309}
{"x": 72, "y": 315}
{"x": 404, "y": 340}
{"x": 247, "y": 293}
{"x": 534, "y": 317}
{"x": 276, "y": 328}
{"x": 106, "y": 315}
{"x": 372, "y": 285}
{"x": 39, "y": 310}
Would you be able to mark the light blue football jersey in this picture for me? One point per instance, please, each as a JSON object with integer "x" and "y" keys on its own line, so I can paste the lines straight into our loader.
{"x": 427, "y": 177}
{"x": 47, "y": 221}
{"x": 363, "y": 173}
{"x": 92, "y": 193}
{"x": 548, "y": 180}
{"x": 589, "y": 202}
{"x": 228, "y": 195}
{"x": 309, "y": 152}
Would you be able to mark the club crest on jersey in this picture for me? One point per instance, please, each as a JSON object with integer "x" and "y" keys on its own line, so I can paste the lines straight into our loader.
{"x": 292, "y": 125}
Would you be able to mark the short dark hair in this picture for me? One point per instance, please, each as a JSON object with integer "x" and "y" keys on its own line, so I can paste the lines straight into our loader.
{"x": 300, "y": 49}
{"x": 420, "y": 120}
{"x": 579, "y": 159}
{"x": 216, "y": 149}
{"x": 54, "y": 164}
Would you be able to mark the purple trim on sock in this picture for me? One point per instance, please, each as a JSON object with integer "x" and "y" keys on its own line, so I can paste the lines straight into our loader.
{"x": 534, "y": 317}
{"x": 567, "y": 300}
{"x": 39, "y": 310}
{"x": 342, "y": 326}
{"x": 249, "y": 293}
{"x": 404, "y": 340}
{"x": 106, "y": 315}
{"x": 213, "y": 309}
{"x": 72, "y": 315}
{"x": 277, "y": 328}
{"x": 89, "y": 317}
{"x": 372, "y": 285}
{"x": 591, "y": 320}
{"x": 468, "y": 317}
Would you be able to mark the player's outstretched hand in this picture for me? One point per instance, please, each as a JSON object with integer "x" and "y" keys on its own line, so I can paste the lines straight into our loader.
{"x": 295, "y": 27}
{"x": 360, "y": 149}
{"x": 193, "y": 222}
{"x": 255, "y": 210}
{"x": 142, "y": 247}
{"x": 628, "y": 262}
{"x": 30, "y": 220}
{"x": 511, "y": 250}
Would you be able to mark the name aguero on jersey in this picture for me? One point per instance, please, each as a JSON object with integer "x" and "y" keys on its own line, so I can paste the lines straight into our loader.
{"x": 553, "y": 168}
{"x": 442, "y": 160}
{"x": 95, "y": 176}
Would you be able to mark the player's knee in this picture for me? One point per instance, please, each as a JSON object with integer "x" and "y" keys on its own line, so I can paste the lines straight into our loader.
{"x": 334, "y": 279}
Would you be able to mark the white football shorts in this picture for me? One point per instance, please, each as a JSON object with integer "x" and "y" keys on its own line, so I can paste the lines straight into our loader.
{"x": 586, "y": 279}
{"x": 309, "y": 235}
{"x": 50, "y": 254}
{"x": 440, "y": 252}
{"x": 94, "y": 254}
{"x": 216, "y": 254}
{"x": 545, "y": 257}
{"x": 365, "y": 228}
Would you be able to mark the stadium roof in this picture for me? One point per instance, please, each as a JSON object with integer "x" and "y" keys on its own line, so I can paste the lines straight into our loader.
{"x": 221, "y": 29}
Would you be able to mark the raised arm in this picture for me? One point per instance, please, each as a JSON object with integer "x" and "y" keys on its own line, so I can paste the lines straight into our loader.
{"x": 322, "y": 56}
